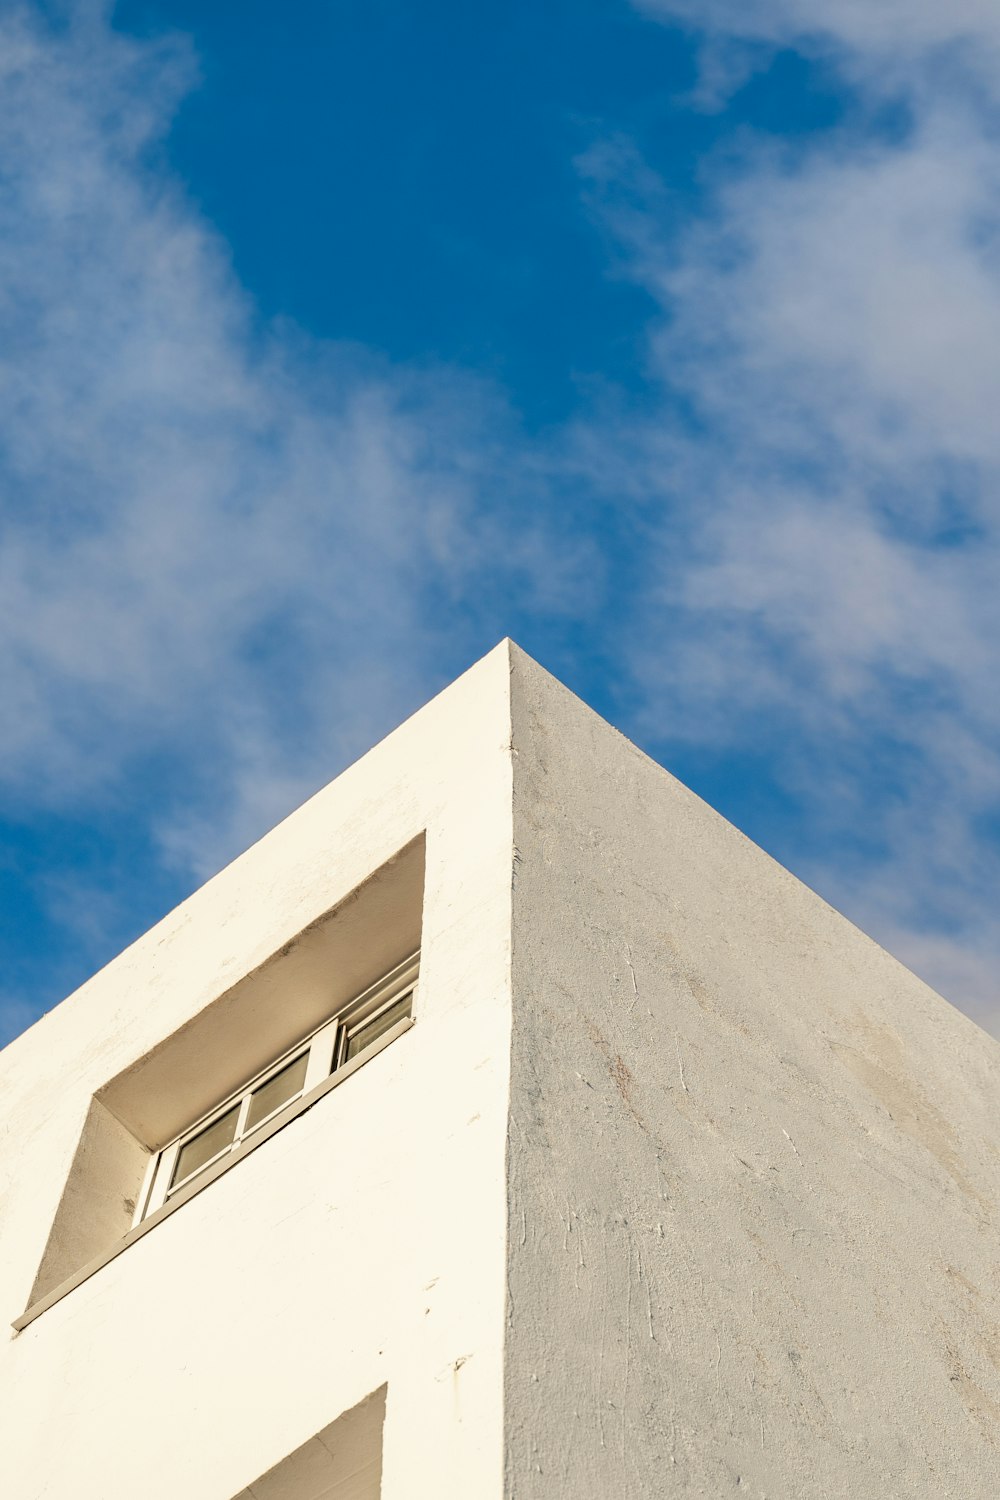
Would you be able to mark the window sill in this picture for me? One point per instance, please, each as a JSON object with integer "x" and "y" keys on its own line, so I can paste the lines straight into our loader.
{"x": 209, "y": 1175}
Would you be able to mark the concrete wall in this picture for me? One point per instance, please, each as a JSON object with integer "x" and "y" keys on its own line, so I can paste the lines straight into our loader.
{"x": 754, "y": 1164}
{"x": 361, "y": 1247}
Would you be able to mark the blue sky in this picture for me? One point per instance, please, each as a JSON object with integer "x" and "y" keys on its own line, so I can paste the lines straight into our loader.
{"x": 339, "y": 341}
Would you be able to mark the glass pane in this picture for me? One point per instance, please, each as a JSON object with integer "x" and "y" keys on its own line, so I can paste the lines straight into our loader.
{"x": 201, "y": 1149}
{"x": 372, "y": 1030}
{"x": 277, "y": 1090}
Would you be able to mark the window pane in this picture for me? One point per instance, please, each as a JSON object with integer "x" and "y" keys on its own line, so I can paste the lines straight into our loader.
{"x": 201, "y": 1149}
{"x": 277, "y": 1091}
{"x": 372, "y": 1030}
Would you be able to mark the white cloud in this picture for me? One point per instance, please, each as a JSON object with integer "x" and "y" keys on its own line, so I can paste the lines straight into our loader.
{"x": 888, "y": 43}
{"x": 219, "y": 540}
{"x": 893, "y": 24}
{"x": 830, "y": 524}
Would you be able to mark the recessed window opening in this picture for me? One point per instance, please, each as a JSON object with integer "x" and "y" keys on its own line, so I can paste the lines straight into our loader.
{"x": 350, "y": 1034}
{"x": 242, "y": 1066}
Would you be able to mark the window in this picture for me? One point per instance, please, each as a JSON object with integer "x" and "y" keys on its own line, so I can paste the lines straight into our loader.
{"x": 224, "y": 1071}
{"x": 236, "y": 1123}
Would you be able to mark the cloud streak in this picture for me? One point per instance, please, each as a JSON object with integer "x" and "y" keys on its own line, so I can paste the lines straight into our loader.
{"x": 892, "y": 45}
{"x": 830, "y": 521}
{"x": 218, "y": 537}
{"x": 230, "y": 556}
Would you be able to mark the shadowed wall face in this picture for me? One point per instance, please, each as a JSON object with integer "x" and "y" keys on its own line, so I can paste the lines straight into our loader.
{"x": 754, "y": 1164}
{"x": 342, "y": 1462}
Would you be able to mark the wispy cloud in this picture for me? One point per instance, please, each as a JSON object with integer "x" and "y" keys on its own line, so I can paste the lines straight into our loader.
{"x": 234, "y": 552}
{"x": 829, "y": 520}
{"x": 218, "y": 537}
{"x": 894, "y": 44}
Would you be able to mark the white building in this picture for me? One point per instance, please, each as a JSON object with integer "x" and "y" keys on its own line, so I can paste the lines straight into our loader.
{"x": 664, "y": 1180}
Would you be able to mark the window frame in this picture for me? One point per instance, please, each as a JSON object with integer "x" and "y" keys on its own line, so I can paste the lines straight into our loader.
{"x": 326, "y": 1050}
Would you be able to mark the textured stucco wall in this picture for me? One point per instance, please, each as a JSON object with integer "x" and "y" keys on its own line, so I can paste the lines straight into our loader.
{"x": 754, "y": 1164}
{"x": 362, "y": 1246}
